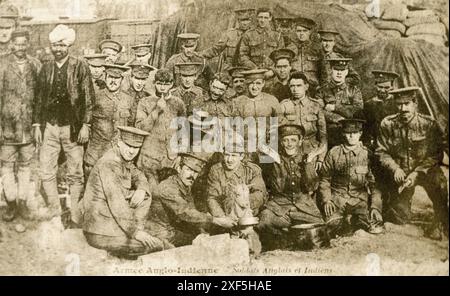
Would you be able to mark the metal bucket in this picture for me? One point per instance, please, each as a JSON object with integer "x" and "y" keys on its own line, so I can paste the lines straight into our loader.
{"x": 309, "y": 236}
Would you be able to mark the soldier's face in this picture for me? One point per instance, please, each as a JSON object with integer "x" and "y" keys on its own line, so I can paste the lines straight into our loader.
{"x": 283, "y": 68}
{"x": 59, "y": 50}
{"x": 189, "y": 50}
{"x": 406, "y": 109}
{"x": 138, "y": 83}
{"x": 19, "y": 47}
{"x": 143, "y": 58}
{"x": 128, "y": 152}
{"x": 244, "y": 24}
{"x": 264, "y": 19}
{"x": 5, "y": 33}
{"x": 163, "y": 87}
{"x": 187, "y": 175}
{"x": 298, "y": 88}
{"x": 383, "y": 89}
{"x": 112, "y": 55}
{"x": 339, "y": 76}
{"x": 290, "y": 144}
{"x": 113, "y": 83}
{"x": 328, "y": 45}
{"x": 217, "y": 89}
{"x": 232, "y": 160}
{"x": 96, "y": 72}
{"x": 302, "y": 33}
{"x": 352, "y": 139}
{"x": 187, "y": 81}
{"x": 255, "y": 87}
{"x": 239, "y": 85}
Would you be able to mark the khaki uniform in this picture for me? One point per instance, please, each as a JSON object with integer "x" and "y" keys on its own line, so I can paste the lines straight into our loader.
{"x": 189, "y": 96}
{"x": 256, "y": 46}
{"x": 348, "y": 102}
{"x": 206, "y": 73}
{"x": 345, "y": 180}
{"x": 277, "y": 89}
{"x": 109, "y": 111}
{"x": 415, "y": 146}
{"x": 216, "y": 108}
{"x": 137, "y": 96}
{"x": 306, "y": 60}
{"x": 325, "y": 69}
{"x": 309, "y": 114}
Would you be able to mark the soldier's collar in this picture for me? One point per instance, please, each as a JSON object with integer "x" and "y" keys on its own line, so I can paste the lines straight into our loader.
{"x": 355, "y": 151}
{"x": 340, "y": 86}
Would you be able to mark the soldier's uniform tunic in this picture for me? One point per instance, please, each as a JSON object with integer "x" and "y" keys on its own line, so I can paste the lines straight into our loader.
{"x": 189, "y": 96}
{"x": 306, "y": 60}
{"x": 206, "y": 73}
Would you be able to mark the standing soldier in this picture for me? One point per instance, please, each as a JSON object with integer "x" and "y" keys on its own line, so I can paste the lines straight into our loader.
{"x": 63, "y": 110}
{"x": 306, "y": 53}
{"x": 136, "y": 87}
{"x": 111, "y": 108}
{"x": 279, "y": 86}
{"x": 9, "y": 15}
{"x": 111, "y": 48}
{"x": 340, "y": 99}
{"x": 347, "y": 186}
{"x": 257, "y": 43}
{"x": 95, "y": 62}
{"x": 284, "y": 25}
{"x": 308, "y": 113}
{"x": 155, "y": 114}
{"x": 142, "y": 55}
{"x": 188, "y": 43}
{"x": 380, "y": 106}
{"x": 18, "y": 77}
{"x": 230, "y": 40}
{"x": 289, "y": 186}
{"x": 238, "y": 82}
{"x": 410, "y": 150}
{"x": 187, "y": 91}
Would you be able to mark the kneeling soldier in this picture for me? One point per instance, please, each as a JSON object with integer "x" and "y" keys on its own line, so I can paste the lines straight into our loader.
{"x": 117, "y": 200}
{"x": 347, "y": 186}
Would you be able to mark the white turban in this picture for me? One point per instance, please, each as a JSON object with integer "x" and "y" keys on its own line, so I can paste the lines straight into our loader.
{"x": 62, "y": 33}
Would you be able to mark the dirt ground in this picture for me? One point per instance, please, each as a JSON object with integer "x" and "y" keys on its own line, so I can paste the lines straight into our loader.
{"x": 46, "y": 249}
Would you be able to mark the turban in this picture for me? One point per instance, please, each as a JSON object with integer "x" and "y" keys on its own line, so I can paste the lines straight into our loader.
{"x": 62, "y": 33}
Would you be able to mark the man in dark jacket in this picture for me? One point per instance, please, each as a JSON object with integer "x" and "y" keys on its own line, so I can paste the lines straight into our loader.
{"x": 62, "y": 109}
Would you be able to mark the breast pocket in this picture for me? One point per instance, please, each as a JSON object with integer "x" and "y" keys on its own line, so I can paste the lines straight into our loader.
{"x": 361, "y": 174}
{"x": 311, "y": 122}
{"x": 419, "y": 146}
{"x": 124, "y": 115}
{"x": 256, "y": 48}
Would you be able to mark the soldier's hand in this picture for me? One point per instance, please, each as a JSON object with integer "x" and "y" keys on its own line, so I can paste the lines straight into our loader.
{"x": 330, "y": 107}
{"x": 375, "y": 215}
{"x": 413, "y": 178}
{"x": 146, "y": 239}
{"x": 137, "y": 198}
{"x": 83, "y": 135}
{"x": 225, "y": 222}
{"x": 329, "y": 208}
{"x": 399, "y": 176}
{"x": 37, "y": 135}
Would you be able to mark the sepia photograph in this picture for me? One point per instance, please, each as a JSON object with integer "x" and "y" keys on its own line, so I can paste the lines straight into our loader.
{"x": 224, "y": 138}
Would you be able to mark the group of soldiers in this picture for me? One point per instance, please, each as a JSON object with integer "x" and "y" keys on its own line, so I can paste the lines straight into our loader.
{"x": 343, "y": 161}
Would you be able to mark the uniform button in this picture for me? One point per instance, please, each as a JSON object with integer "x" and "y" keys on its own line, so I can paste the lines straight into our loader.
{"x": 293, "y": 183}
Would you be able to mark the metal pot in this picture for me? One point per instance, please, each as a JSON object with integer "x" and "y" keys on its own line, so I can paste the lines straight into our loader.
{"x": 309, "y": 236}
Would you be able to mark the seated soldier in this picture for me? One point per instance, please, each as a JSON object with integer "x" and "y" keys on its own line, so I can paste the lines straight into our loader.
{"x": 347, "y": 187}
{"x": 289, "y": 183}
{"x": 117, "y": 200}
{"x": 236, "y": 189}
{"x": 173, "y": 214}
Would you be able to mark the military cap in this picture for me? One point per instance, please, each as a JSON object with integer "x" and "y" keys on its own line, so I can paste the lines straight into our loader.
{"x": 305, "y": 22}
{"x": 327, "y": 35}
{"x": 9, "y": 11}
{"x": 108, "y": 43}
{"x": 193, "y": 161}
{"x": 115, "y": 70}
{"x": 188, "y": 69}
{"x": 140, "y": 70}
{"x": 289, "y": 129}
{"x": 351, "y": 125}
{"x": 188, "y": 39}
{"x": 244, "y": 13}
{"x": 284, "y": 21}
{"x": 405, "y": 94}
{"x": 6, "y": 22}
{"x": 384, "y": 76}
{"x": 339, "y": 63}
{"x": 237, "y": 71}
{"x": 254, "y": 74}
{"x": 282, "y": 53}
{"x": 96, "y": 59}
{"x": 132, "y": 136}
{"x": 20, "y": 33}
{"x": 142, "y": 49}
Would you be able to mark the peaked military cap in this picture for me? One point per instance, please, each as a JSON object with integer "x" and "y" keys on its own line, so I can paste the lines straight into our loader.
{"x": 7, "y": 22}
{"x": 327, "y": 35}
{"x": 142, "y": 49}
{"x": 188, "y": 69}
{"x": 140, "y": 70}
{"x": 237, "y": 71}
{"x": 339, "y": 63}
{"x": 108, "y": 43}
{"x": 96, "y": 59}
{"x": 305, "y": 22}
{"x": 193, "y": 161}
{"x": 384, "y": 76}
{"x": 132, "y": 136}
{"x": 254, "y": 74}
{"x": 115, "y": 70}
{"x": 282, "y": 53}
{"x": 9, "y": 11}
{"x": 244, "y": 13}
{"x": 20, "y": 33}
{"x": 289, "y": 129}
{"x": 351, "y": 125}
{"x": 405, "y": 94}
{"x": 188, "y": 39}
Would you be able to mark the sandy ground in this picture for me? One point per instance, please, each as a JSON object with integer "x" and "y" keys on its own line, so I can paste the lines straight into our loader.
{"x": 46, "y": 249}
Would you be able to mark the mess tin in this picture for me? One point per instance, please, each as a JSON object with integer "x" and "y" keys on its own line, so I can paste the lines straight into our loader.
{"x": 309, "y": 236}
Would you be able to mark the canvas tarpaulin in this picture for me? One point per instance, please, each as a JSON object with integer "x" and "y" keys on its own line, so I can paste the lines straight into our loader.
{"x": 419, "y": 63}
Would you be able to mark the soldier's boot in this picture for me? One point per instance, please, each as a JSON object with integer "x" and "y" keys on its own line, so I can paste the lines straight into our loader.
{"x": 65, "y": 213}
{"x": 76, "y": 192}
{"x": 23, "y": 209}
{"x": 11, "y": 211}
{"x": 51, "y": 191}
{"x": 24, "y": 186}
